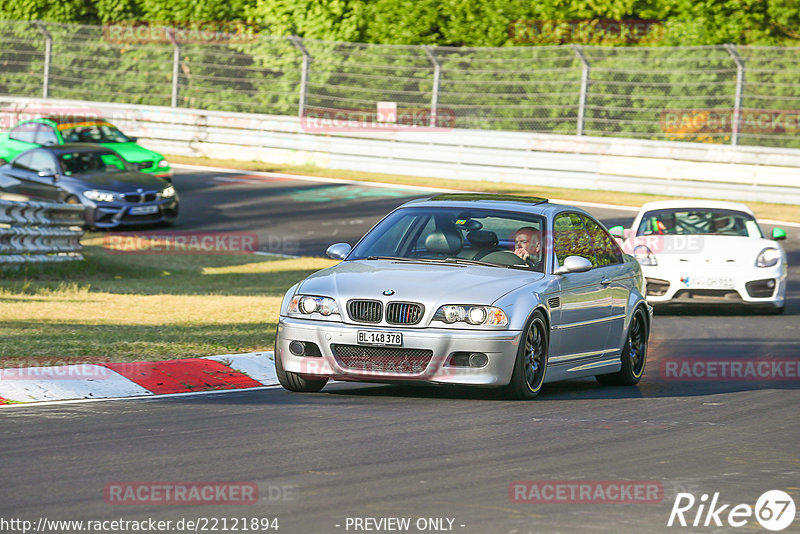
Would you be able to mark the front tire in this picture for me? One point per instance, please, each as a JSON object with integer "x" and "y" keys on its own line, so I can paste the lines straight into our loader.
{"x": 531, "y": 363}
{"x": 296, "y": 382}
{"x": 634, "y": 354}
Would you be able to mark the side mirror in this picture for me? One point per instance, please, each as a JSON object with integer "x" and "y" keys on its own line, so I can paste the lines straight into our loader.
{"x": 617, "y": 231}
{"x": 48, "y": 174}
{"x": 133, "y": 139}
{"x": 778, "y": 234}
{"x": 339, "y": 251}
{"x": 574, "y": 264}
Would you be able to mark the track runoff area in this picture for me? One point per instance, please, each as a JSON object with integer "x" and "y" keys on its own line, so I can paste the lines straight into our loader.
{"x": 675, "y": 454}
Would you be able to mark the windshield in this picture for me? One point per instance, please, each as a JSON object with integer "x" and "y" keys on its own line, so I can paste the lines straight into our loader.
{"x": 92, "y": 132}
{"x": 91, "y": 162}
{"x": 490, "y": 237}
{"x": 698, "y": 221}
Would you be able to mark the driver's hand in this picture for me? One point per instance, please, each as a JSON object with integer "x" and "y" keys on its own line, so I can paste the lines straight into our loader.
{"x": 522, "y": 253}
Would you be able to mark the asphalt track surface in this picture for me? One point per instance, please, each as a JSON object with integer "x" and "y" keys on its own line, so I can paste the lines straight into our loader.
{"x": 379, "y": 451}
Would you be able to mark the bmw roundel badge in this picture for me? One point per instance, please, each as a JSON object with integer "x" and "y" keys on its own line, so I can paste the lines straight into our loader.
{"x": 389, "y": 292}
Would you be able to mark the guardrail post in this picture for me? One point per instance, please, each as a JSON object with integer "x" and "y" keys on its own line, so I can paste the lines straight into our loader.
{"x": 298, "y": 43}
{"x": 437, "y": 70}
{"x": 48, "y": 53}
{"x": 737, "y": 99}
{"x": 584, "y": 88}
{"x": 176, "y": 66}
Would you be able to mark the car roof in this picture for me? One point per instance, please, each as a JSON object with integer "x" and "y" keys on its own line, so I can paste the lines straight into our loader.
{"x": 66, "y": 119}
{"x": 695, "y": 203}
{"x": 76, "y": 147}
{"x": 537, "y": 205}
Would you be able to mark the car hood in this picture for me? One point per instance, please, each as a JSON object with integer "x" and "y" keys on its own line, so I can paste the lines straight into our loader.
{"x": 133, "y": 152}
{"x": 429, "y": 284}
{"x": 120, "y": 182}
{"x": 723, "y": 251}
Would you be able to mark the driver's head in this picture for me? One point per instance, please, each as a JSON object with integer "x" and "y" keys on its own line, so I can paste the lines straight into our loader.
{"x": 527, "y": 238}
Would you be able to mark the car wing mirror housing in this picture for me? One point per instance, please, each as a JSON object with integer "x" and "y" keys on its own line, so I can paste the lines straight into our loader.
{"x": 47, "y": 174}
{"x": 778, "y": 234}
{"x": 339, "y": 251}
{"x": 574, "y": 264}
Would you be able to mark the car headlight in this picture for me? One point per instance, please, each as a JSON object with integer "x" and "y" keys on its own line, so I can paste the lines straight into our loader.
{"x": 163, "y": 163}
{"x": 475, "y": 315}
{"x": 102, "y": 196}
{"x": 768, "y": 257}
{"x": 169, "y": 192}
{"x": 644, "y": 255}
{"x": 307, "y": 305}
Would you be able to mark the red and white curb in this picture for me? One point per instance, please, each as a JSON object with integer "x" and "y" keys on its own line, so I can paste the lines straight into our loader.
{"x": 137, "y": 379}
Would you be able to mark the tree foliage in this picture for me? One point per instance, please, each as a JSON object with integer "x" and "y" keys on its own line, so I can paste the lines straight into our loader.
{"x": 441, "y": 22}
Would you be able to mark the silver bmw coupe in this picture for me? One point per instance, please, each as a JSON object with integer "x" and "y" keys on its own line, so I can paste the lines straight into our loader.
{"x": 471, "y": 289}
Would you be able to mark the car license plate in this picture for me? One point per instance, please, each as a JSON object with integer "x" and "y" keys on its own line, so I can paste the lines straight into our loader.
{"x": 711, "y": 282}
{"x": 143, "y": 210}
{"x": 376, "y": 337}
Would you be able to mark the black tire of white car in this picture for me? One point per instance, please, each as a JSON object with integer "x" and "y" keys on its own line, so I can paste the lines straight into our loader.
{"x": 530, "y": 366}
{"x": 634, "y": 354}
{"x": 294, "y": 381}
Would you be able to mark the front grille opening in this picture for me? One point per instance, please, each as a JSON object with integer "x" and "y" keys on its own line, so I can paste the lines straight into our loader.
{"x": 761, "y": 288}
{"x": 404, "y": 313}
{"x": 365, "y": 311}
{"x": 707, "y": 294}
{"x": 657, "y": 287}
{"x": 382, "y": 360}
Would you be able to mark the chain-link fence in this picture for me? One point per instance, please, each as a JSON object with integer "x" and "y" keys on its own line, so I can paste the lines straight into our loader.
{"x": 715, "y": 94}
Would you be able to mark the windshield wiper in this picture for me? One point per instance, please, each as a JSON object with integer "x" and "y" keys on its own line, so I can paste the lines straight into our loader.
{"x": 486, "y": 263}
{"x": 393, "y": 258}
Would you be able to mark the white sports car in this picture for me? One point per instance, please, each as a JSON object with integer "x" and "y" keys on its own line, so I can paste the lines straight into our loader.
{"x": 702, "y": 251}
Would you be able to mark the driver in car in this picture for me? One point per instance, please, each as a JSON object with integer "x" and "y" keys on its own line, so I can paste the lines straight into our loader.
{"x": 528, "y": 245}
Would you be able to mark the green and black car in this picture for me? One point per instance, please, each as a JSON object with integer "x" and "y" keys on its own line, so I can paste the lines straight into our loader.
{"x": 49, "y": 131}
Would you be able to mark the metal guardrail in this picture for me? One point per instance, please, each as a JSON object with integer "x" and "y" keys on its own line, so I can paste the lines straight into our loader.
{"x": 580, "y": 162}
{"x": 39, "y": 232}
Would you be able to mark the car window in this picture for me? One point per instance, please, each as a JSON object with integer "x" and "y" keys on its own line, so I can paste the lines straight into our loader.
{"x": 83, "y": 162}
{"x": 42, "y": 161}
{"x": 25, "y": 132}
{"x": 46, "y": 135}
{"x": 23, "y": 162}
{"x": 606, "y": 249}
{"x": 570, "y": 238}
{"x": 480, "y": 234}
{"x": 698, "y": 221}
{"x": 92, "y": 132}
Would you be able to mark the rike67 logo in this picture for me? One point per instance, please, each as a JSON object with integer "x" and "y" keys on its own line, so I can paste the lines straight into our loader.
{"x": 774, "y": 510}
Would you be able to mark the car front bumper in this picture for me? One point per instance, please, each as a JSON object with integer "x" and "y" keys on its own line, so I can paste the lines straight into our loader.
{"x": 716, "y": 285}
{"x": 499, "y": 346}
{"x": 115, "y": 215}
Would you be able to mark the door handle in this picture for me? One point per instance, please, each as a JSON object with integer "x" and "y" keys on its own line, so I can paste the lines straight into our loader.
{"x": 605, "y": 281}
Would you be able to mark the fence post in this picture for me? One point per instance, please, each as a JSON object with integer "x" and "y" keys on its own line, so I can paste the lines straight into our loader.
{"x": 437, "y": 70}
{"x": 176, "y": 66}
{"x": 737, "y": 99}
{"x": 584, "y": 88}
{"x": 48, "y": 52}
{"x": 298, "y": 43}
